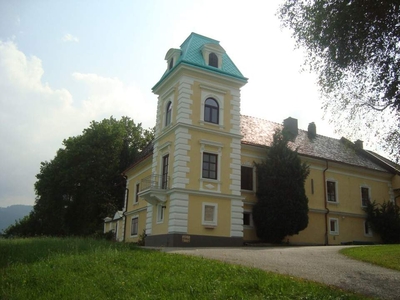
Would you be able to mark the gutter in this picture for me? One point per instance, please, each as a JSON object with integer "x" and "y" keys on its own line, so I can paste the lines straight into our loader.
{"x": 126, "y": 205}
{"x": 326, "y": 205}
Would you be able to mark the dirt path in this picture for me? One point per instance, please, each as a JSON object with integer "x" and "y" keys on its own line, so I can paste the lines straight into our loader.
{"x": 321, "y": 264}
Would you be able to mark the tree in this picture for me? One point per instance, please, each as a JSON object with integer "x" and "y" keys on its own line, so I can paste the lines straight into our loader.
{"x": 353, "y": 46}
{"x": 83, "y": 183}
{"x": 384, "y": 219}
{"x": 282, "y": 204}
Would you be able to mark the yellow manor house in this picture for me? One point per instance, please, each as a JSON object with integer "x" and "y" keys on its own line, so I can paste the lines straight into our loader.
{"x": 195, "y": 184}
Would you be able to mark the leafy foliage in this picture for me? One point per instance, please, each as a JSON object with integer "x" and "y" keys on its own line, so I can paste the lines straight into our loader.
{"x": 282, "y": 206}
{"x": 83, "y": 183}
{"x": 384, "y": 219}
{"x": 353, "y": 46}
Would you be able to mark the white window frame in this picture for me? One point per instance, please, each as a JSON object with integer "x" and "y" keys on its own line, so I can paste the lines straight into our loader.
{"x": 251, "y": 225}
{"x": 160, "y": 213}
{"x": 369, "y": 193}
{"x": 336, "y": 231}
{"x": 336, "y": 191}
{"x": 370, "y": 233}
{"x": 214, "y": 222}
{"x": 137, "y": 191}
{"x": 217, "y": 95}
{"x": 137, "y": 230}
{"x": 166, "y": 113}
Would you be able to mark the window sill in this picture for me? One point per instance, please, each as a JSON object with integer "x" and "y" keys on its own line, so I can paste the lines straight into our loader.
{"x": 209, "y": 226}
{"x": 247, "y": 191}
{"x": 212, "y": 124}
{"x": 334, "y": 233}
{"x": 331, "y": 202}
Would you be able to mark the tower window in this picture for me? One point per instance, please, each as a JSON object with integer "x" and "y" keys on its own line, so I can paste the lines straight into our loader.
{"x": 168, "y": 114}
{"x": 210, "y": 165}
{"x": 211, "y": 111}
{"x": 213, "y": 60}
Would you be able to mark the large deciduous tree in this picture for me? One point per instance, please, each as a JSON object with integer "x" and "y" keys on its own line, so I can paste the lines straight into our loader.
{"x": 83, "y": 183}
{"x": 353, "y": 46}
{"x": 282, "y": 204}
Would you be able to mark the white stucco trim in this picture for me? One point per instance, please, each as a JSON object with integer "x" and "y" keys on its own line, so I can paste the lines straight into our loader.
{"x": 178, "y": 213}
{"x": 236, "y": 218}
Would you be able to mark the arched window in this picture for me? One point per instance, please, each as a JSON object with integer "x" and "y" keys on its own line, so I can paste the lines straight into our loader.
{"x": 213, "y": 60}
{"x": 171, "y": 64}
{"x": 168, "y": 114}
{"x": 211, "y": 111}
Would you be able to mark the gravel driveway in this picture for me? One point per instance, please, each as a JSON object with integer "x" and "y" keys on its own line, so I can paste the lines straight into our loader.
{"x": 318, "y": 263}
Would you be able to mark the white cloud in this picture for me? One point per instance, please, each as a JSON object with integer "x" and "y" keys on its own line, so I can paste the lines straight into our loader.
{"x": 69, "y": 38}
{"x": 35, "y": 118}
{"x": 111, "y": 96}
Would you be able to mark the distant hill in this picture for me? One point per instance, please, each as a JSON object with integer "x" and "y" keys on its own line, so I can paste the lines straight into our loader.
{"x": 8, "y": 215}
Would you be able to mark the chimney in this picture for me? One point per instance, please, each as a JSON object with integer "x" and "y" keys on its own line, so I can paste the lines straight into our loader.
{"x": 290, "y": 125}
{"x": 312, "y": 130}
{"x": 359, "y": 144}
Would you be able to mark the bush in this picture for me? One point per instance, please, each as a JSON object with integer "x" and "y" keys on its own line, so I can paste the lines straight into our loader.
{"x": 384, "y": 219}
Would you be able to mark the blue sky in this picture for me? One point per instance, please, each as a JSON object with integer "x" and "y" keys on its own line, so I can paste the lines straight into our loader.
{"x": 65, "y": 63}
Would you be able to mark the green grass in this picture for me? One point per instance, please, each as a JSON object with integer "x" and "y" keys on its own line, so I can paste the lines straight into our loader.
{"x": 52, "y": 268}
{"x": 387, "y": 256}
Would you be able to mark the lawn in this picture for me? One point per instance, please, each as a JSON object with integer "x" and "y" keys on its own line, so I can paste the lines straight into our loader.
{"x": 387, "y": 256}
{"x": 73, "y": 268}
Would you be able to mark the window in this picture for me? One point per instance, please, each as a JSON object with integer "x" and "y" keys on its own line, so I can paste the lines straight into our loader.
{"x": 168, "y": 114}
{"x": 247, "y": 178}
{"x": 171, "y": 64}
{"x": 134, "y": 226}
{"x": 213, "y": 60}
{"x": 164, "y": 183}
{"x": 334, "y": 226}
{"x": 367, "y": 229}
{"x": 211, "y": 111}
{"x": 247, "y": 219}
{"x": 137, "y": 193}
{"x": 364, "y": 196}
{"x": 210, "y": 212}
{"x": 160, "y": 213}
{"x": 331, "y": 191}
{"x": 210, "y": 165}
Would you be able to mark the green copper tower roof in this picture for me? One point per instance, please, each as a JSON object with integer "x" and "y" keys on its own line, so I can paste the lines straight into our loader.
{"x": 191, "y": 53}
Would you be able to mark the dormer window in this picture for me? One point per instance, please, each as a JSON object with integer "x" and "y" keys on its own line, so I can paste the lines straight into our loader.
{"x": 212, "y": 55}
{"x": 172, "y": 57}
{"x": 213, "y": 60}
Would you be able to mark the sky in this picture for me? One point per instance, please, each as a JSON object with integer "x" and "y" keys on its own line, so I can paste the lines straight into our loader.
{"x": 66, "y": 63}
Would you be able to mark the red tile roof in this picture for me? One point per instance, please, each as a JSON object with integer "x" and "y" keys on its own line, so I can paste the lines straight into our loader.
{"x": 259, "y": 132}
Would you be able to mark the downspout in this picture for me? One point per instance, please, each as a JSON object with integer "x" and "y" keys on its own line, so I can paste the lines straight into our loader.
{"x": 126, "y": 206}
{"x": 326, "y": 206}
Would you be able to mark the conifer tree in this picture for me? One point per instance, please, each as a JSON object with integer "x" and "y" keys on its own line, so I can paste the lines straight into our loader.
{"x": 282, "y": 205}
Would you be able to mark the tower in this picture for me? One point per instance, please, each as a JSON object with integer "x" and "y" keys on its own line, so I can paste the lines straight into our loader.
{"x": 195, "y": 196}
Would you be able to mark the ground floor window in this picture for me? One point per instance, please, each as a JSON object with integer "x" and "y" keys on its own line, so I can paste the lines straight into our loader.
{"x": 210, "y": 213}
{"x": 160, "y": 213}
{"x": 247, "y": 218}
{"x": 134, "y": 226}
{"x": 367, "y": 229}
{"x": 334, "y": 226}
